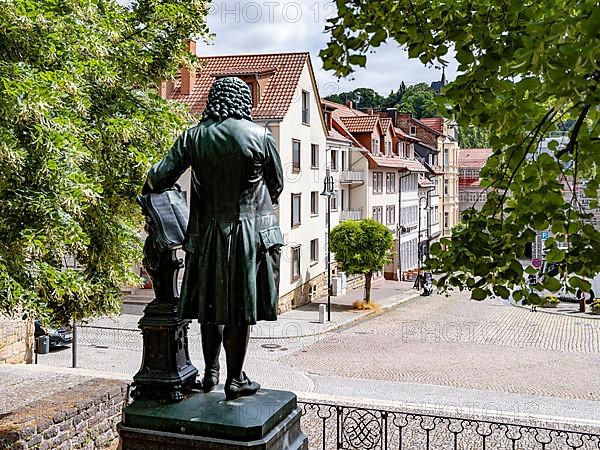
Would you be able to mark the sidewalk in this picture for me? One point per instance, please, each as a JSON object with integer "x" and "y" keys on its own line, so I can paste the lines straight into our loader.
{"x": 304, "y": 321}
{"x": 564, "y": 309}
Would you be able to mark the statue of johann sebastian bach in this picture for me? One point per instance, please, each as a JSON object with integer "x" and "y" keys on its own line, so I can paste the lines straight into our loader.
{"x": 233, "y": 240}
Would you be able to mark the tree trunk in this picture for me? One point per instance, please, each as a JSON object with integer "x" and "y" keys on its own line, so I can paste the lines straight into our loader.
{"x": 368, "y": 277}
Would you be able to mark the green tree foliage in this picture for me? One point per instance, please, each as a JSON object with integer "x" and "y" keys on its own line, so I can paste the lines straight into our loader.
{"x": 361, "y": 98}
{"x": 419, "y": 100}
{"x": 394, "y": 99}
{"x": 473, "y": 137}
{"x": 80, "y": 125}
{"x": 362, "y": 247}
{"x": 524, "y": 67}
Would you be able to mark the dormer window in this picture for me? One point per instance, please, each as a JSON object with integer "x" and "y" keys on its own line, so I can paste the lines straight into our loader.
{"x": 253, "y": 93}
{"x": 327, "y": 118}
{"x": 375, "y": 145}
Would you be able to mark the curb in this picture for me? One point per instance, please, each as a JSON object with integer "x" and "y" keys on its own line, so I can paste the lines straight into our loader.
{"x": 346, "y": 323}
{"x": 558, "y": 313}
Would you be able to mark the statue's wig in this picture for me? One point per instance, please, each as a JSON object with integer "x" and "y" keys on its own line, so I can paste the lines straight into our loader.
{"x": 229, "y": 97}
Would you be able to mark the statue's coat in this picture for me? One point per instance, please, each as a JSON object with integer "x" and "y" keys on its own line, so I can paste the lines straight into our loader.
{"x": 233, "y": 238}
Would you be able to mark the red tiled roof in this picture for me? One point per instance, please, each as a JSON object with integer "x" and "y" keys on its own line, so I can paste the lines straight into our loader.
{"x": 403, "y": 135}
{"x": 360, "y": 124}
{"x": 410, "y": 165}
{"x": 473, "y": 158}
{"x": 334, "y": 134}
{"x": 340, "y": 110}
{"x": 436, "y": 123}
{"x": 278, "y": 94}
{"x": 386, "y": 122}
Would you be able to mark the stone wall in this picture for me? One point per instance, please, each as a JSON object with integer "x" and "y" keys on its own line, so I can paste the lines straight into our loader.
{"x": 16, "y": 341}
{"x": 303, "y": 294}
{"x": 81, "y": 417}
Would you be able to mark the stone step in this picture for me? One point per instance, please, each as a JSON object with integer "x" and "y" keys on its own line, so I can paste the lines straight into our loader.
{"x": 139, "y": 297}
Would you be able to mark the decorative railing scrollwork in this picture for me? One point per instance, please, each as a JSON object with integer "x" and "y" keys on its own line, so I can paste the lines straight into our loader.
{"x": 340, "y": 427}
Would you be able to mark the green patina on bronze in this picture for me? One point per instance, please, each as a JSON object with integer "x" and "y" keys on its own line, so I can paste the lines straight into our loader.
{"x": 208, "y": 415}
{"x": 233, "y": 237}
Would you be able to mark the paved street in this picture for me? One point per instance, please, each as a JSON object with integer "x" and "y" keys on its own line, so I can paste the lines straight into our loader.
{"x": 443, "y": 351}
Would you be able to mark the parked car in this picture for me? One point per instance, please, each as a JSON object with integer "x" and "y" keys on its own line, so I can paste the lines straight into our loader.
{"x": 59, "y": 337}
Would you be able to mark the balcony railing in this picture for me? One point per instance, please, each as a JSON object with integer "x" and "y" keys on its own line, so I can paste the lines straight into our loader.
{"x": 351, "y": 214}
{"x": 352, "y": 176}
{"x": 331, "y": 426}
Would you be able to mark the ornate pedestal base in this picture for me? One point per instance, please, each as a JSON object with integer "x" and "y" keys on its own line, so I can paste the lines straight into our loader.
{"x": 268, "y": 420}
{"x": 166, "y": 372}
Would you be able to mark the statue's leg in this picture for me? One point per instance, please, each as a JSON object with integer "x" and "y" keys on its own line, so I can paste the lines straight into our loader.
{"x": 235, "y": 341}
{"x": 212, "y": 338}
{"x": 236, "y": 344}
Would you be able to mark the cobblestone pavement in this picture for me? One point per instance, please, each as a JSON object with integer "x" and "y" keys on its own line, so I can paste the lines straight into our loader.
{"x": 444, "y": 351}
{"x": 451, "y": 341}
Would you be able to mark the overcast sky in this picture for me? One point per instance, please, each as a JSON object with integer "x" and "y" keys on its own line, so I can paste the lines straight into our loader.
{"x": 246, "y": 26}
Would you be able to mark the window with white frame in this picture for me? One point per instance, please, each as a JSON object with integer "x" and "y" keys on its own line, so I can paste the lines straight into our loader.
{"x": 296, "y": 210}
{"x": 446, "y": 186}
{"x": 413, "y": 130}
{"x": 314, "y": 156}
{"x": 390, "y": 182}
{"x": 377, "y": 182}
{"x": 334, "y": 161}
{"x": 446, "y": 220}
{"x": 375, "y": 144}
{"x": 295, "y": 155}
{"x": 314, "y": 251}
{"x": 295, "y": 263}
{"x": 305, "y": 107}
{"x": 314, "y": 203}
{"x": 390, "y": 214}
{"x": 378, "y": 213}
{"x": 388, "y": 148}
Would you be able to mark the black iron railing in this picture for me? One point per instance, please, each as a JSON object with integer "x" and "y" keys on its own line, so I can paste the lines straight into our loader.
{"x": 330, "y": 427}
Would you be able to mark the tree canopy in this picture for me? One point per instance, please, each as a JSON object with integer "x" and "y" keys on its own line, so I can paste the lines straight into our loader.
{"x": 362, "y": 247}
{"x": 419, "y": 100}
{"x": 80, "y": 125}
{"x": 473, "y": 137}
{"x": 524, "y": 67}
{"x": 361, "y": 98}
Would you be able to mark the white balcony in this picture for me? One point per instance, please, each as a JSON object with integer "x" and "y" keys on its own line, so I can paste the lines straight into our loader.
{"x": 351, "y": 214}
{"x": 352, "y": 176}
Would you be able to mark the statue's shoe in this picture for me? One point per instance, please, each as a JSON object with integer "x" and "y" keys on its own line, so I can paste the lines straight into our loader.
{"x": 210, "y": 380}
{"x": 240, "y": 388}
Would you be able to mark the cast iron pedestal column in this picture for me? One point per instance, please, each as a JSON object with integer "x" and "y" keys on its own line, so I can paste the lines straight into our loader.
{"x": 166, "y": 371}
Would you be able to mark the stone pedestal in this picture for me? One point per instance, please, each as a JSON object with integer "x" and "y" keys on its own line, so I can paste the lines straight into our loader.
{"x": 268, "y": 420}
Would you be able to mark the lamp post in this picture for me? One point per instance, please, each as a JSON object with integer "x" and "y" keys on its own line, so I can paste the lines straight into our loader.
{"x": 328, "y": 192}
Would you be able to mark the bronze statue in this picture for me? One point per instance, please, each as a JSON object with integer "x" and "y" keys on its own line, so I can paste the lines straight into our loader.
{"x": 233, "y": 240}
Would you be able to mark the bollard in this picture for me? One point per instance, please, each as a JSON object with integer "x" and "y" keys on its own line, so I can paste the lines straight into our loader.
{"x": 322, "y": 310}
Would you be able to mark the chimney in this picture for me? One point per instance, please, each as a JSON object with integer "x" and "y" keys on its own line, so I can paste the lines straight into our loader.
{"x": 166, "y": 88}
{"x": 392, "y": 113}
{"x": 349, "y": 103}
{"x": 370, "y": 111}
{"x": 188, "y": 75}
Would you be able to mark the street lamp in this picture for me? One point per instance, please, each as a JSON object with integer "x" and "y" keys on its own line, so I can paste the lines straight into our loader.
{"x": 328, "y": 191}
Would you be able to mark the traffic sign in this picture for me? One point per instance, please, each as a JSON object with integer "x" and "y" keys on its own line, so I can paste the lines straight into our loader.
{"x": 536, "y": 262}
{"x": 544, "y": 235}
